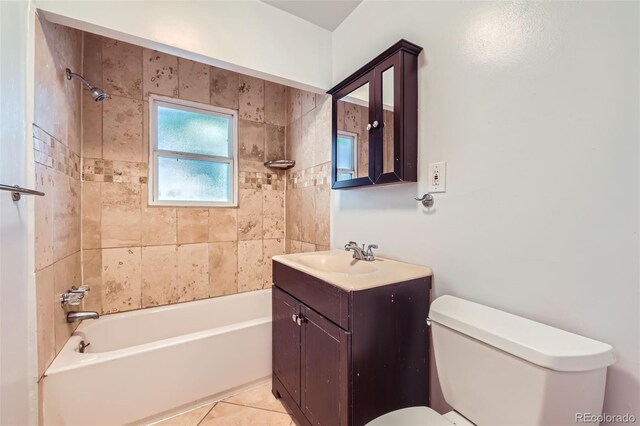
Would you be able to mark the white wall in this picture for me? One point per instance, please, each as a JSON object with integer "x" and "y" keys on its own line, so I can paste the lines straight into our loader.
{"x": 246, "y": 36}
{"x": 535, "y": 108}
{"x": 18, "y": 403}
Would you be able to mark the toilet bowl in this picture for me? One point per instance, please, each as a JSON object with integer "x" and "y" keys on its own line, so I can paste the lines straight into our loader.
{"x": 501, "y": 369}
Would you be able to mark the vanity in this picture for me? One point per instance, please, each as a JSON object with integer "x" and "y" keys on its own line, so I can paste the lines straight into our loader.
{"x": 350, "y": 337}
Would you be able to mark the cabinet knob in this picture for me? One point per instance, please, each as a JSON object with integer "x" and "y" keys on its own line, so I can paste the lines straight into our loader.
{"x": 373, "y": 126}
{"x": 301, "y": 319}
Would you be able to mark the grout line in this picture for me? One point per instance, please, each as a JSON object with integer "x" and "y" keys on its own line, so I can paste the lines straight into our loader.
{"x": 205, "y": 416}
{"x": 142, "y": 79}
{"x": 178, "y": 77}
{"x": 81, "y": 164}
{"x": 253, "y": 406}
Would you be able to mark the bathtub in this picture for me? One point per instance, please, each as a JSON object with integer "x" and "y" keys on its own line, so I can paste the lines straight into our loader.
{"x": 144, "y": 365}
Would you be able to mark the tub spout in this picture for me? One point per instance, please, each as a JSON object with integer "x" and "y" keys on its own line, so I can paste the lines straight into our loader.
{"x": 74, "y": 316}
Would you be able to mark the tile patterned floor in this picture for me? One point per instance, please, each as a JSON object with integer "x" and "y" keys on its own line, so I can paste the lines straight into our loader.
{"x": 253, "y": 407}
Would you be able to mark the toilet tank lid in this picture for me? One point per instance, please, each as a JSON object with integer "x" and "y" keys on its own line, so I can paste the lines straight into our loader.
{"x": 535, "y": 342}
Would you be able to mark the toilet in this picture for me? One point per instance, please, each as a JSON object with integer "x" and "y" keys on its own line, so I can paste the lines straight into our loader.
{"x": 496, "y": 368}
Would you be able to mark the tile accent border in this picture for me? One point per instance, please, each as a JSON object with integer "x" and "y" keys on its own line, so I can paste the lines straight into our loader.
{"x": 96, "y": 170}
{"x": 258, "y": 180}
{"x": 312, "y": 176}
{"x": 52, "y": 153}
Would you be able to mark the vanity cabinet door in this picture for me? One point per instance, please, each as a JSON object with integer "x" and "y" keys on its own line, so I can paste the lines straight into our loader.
{"x": 325, "y": 370}
{"x": 286, "y": 342}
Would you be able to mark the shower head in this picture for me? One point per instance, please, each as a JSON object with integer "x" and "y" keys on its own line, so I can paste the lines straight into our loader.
{"x": 97, "y": 94}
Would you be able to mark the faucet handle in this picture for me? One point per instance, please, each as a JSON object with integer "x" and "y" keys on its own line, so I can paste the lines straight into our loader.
{"x": 369, "y": 252}
{"x": 73, "y": 299}
{"x": 74, "y": 295}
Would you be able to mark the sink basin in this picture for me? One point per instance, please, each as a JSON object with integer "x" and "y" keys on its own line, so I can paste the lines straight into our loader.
{"x": 337, "y": 264}
{"x": 338, "y": 267}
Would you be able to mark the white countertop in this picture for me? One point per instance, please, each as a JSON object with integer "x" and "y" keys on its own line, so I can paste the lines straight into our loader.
{"x": 337, "y": 267}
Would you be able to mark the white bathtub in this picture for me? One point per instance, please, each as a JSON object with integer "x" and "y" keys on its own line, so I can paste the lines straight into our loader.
{"x": 146, "y": 364}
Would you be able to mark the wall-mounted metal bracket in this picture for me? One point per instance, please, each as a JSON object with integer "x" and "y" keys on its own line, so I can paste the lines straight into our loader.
{"x": 426, "y": 199}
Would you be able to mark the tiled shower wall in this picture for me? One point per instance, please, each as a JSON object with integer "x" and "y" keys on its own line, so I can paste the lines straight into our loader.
{"x": 134, "y": 255}
{"x": 94, "y": 227}
{"x": 308, "y": 183}
{"x": 56, "y": 142}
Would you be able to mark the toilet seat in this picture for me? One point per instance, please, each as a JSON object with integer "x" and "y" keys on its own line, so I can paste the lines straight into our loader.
{"x": 412, "y": 416}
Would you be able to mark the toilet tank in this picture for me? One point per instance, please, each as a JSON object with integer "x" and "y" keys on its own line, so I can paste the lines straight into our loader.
{"x": 496, "y": 368}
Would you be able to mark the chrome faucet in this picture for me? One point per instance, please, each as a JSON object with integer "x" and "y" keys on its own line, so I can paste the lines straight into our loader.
{"x": 74, "y": 316}
{"x": 74, "y": 295}
{"x": 360, "y": 253}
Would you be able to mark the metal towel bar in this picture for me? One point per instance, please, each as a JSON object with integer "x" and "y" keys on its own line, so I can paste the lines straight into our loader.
{"x": 16, "y": 191}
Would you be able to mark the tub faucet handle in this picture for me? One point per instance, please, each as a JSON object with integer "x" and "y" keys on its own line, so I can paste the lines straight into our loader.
{"x": 74, "y": 296}
{"x": 70, "y": 299}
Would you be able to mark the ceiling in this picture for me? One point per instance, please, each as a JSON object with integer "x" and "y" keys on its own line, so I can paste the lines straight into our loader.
{"x": 327, "y": 14}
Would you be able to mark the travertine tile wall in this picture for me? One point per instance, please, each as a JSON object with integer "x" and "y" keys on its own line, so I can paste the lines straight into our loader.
{"x": 134, "y": 255}
{"x": 94, "y": 227}
{"x": 308, "y": 183}
{"x": 56, "y": 143}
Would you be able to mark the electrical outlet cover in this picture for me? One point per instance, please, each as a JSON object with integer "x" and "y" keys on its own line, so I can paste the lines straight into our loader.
{"x": 437, "y": 173}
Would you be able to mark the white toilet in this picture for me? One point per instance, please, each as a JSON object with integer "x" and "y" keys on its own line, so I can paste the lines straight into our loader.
{"x": 496, "y": 368}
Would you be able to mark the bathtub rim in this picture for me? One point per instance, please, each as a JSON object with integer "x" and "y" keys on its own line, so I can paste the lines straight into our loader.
{"x": 113, "y": 316}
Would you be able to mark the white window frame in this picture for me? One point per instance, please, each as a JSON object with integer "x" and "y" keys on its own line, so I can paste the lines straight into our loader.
{"x": 154, "y": 102}
{"x": 354, "y": 137}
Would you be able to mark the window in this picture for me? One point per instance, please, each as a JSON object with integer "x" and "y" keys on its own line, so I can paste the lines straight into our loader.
{"x": 193, "y": 155}
{"x": 347, "y": 155}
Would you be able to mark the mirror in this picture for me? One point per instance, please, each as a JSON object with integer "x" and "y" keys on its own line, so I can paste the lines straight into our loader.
{"x": 387, "y": 129}
{"x": 352, "y": 153}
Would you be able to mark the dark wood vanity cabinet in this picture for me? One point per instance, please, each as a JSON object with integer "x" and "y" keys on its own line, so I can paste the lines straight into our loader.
{"x": 375, "y": 121}
{"x": 310, "y": 360}
{"x": 346, "y": 357}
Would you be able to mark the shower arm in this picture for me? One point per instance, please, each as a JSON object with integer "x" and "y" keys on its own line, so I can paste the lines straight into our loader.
{"x": 70, "y": 74}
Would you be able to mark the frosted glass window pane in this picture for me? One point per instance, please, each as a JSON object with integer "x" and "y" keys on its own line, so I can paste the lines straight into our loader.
{"x": 345, "y": 152}
{"x": 181, "y": 179}
{"x": 344, "y": 176}
{"x": 192, "y": 132}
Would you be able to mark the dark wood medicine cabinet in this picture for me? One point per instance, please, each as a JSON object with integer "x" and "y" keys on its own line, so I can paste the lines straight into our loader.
{"x": 375, "y": 121}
